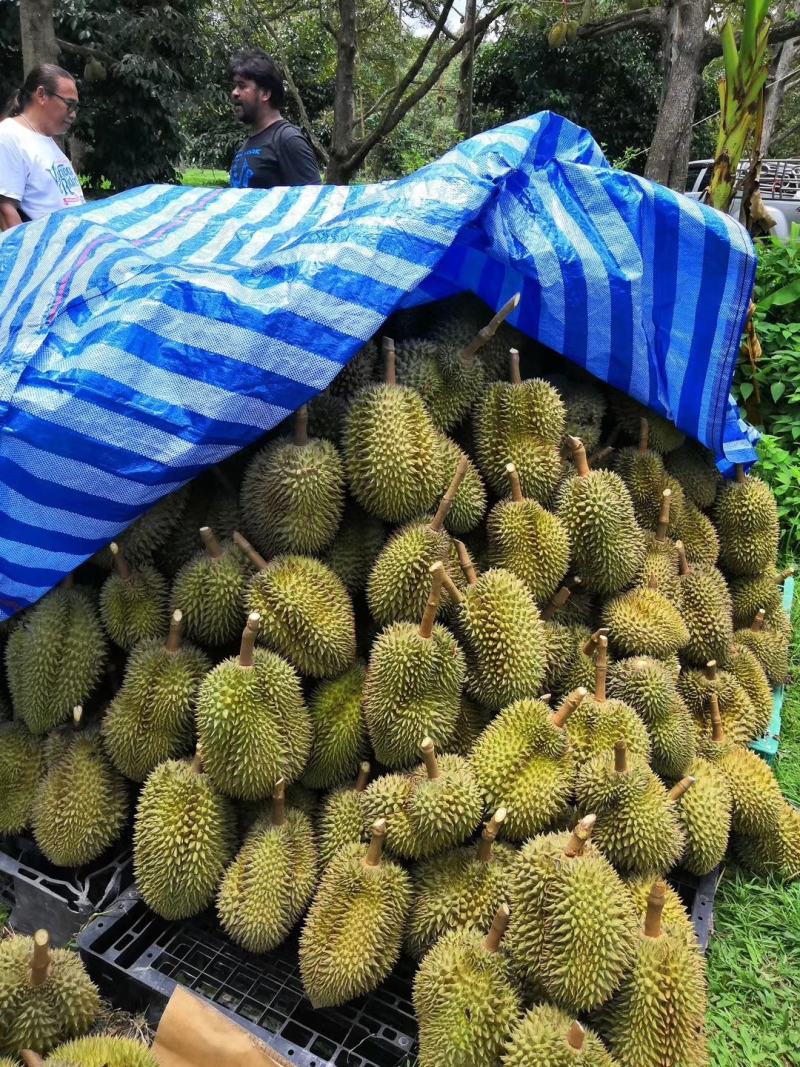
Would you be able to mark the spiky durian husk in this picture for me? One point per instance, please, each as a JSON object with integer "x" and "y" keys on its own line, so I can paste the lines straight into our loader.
{"x": 455, "y": 891}
{"x": 152, "y": 530}
{"x": 392, "y": 453}
{"x": 152, "y": 716}
{"x": 341, "y": 822}
{"x": 661, "y": 565}
{"x": 102, "y": 1051}
{"x": 673, "y": 742}
{"x": 183, "y": 838}
{"x": 355, "y": 548}
{"x": 469, "y": 503}
{"x": 39, "y": 1017}
{"x": 400, "y": 581}
{"x": 465, "y": 1001}
{"x": 746, "y": 515}
{"x": 596, "y": 726}
{"x": 21, "y": 764}
{"x": 664, "y": 436}
{"x": 470, "y": 724}
{"x": 644, "y": 476}
{"x": 268, "y": 737}
{"x": 775, "y": 853}
{"x": 743, "y": 664}
{"x": 339, "y": 730}
{"x": 750, "y": 595}
{"x": 448, "y": 387}
{"x": 55, "y": 659}
{"x": 699, "y": 537}
{"x": 210, "y": 504}
{"x": 573, "y": 925}
{"x": 353, "y": 932}
{"x": 757, "y": 797}
{"x": 327, "y": 411}
{"x": 540, "y": 1040}
{"x": 134, "y": 609}
{"x": 695, "y": 469}
{"x": 209, "y": 591}
{"x": 771, "y": 649}
{"x": 644, "y": 683}
{"x": 705, "y": 816}
{"x": 644, "y": 622}
{"x": 523, "y": 763}
{"x": 585, "y": 409}
{"x": 739, "y": 717}
{"x": 531, "y": 543}
{"x": 706, "y": 610}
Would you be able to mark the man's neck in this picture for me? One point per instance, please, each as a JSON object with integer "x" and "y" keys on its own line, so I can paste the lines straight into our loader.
{"x": 264, "y": 122}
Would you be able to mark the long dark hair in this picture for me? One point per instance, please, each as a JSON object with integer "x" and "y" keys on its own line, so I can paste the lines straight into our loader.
{"x": 46, "y": 75}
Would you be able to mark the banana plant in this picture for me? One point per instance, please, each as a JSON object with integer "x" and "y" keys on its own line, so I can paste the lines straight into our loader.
{"x": 741, "y": 95}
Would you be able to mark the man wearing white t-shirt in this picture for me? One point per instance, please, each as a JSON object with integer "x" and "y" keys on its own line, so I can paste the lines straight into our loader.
{"x": 36, "y": 178}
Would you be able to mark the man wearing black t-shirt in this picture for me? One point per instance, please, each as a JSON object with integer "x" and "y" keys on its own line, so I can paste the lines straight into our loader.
{"x": 276, "y": 152}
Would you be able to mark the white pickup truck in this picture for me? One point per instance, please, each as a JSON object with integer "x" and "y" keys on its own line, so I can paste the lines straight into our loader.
{"x": 779, "y": 185}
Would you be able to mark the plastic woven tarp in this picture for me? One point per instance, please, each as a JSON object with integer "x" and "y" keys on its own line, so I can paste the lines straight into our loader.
{"x": 152, "y": 334}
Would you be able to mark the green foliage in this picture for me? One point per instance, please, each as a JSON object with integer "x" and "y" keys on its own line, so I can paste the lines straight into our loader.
{"x": 781, "y": 471}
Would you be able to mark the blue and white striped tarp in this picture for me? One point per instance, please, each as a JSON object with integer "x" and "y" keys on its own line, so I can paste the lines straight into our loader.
{"x": 154, "y": 333}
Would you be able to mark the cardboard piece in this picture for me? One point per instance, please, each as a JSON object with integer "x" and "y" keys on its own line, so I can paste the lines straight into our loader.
{"x": 192, "y": 1033}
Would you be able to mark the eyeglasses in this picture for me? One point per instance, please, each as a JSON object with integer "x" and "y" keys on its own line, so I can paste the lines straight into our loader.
{"x": 71, "y": 105}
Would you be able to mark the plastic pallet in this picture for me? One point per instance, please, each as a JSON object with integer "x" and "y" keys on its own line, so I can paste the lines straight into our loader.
{"x": 39, "y": 894}
{"x": 767, "y": 746}
{"x": 698, "y": 895}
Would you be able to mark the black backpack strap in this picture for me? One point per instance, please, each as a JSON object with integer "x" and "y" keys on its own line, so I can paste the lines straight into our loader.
{"x": 284, "y": 127}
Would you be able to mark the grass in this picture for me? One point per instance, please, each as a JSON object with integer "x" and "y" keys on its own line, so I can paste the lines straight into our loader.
{"x": 204, "y": 177}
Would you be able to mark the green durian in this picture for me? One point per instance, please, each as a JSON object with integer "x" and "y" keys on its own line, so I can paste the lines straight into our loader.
{"x": 739, "y": 717}
{"x": 585, "y": 407}
{"x": 675, "y": 913}
{"x": 469, "y": 503}
{"x": 339, "y": 732}
{"x": 252, "y": 722}
{"x": 327, "y": 410}
{"x": 743, "y": 664}
{"x": 705, "y": 813}
{"x": 695, "y": 469}
{"x": 471, "y": 722}
{"x": 660, "y": 568}
{"x": 775, "y": 853}
{"x": 746, "y": 515}
{"x": 749, "y": 595}
{"x": 209, "y": 591}
{"x": 21, "y": 765}
{"x": 152, "y": 716}
{"x": 706, "y": 611}
{"x": 182, "y": 840}
{"x": 548, "y": 1037}
{"x": 643, "y": 472}
{"x": 448, "y": 385}
{"x": 663, "y": 436}
{"x": 353, "y": 932}
{"x": 133, "y": 603}
{"x": 102, "y": 1052}
{"x": 769, "y": 646}
{"x": 644, "y": 622}
{"x": 152, "y": 530}
{"x": 212, "y": 503}
{"x": 465, "y": 998}
{"x": 353, "y": 551}
{"x": 698, "y": 535}
{"x": 341, "y": 820}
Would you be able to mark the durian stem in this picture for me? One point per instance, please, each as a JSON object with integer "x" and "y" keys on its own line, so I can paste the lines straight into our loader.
{"x": 579, "y": 456}
{"x": 557, "y": 602}
{"x": 516, "y": 487}
{"x": 120, "y": 563}
{"x": 301, "y": 425}
{"x": 513, "y": 367}
{"x": 173, "y": 642}
{"x": 279, "y": 803}
{"x": 498, "y": 928}
{"x": 597, "y": 458}
{"x": 620, "y": 758}
{"x": 389, "y": 361}
{"x": 255, "y": 558}
{"x": 40, "y": 964}
{"x": 375, "y": 849}
{"x": 683, "y": 563}
{"x": 437, "y": 522}
{"x": 600, "y": 670}
{"x": 196, "y": 766}
{"x": 757, "y": 624}
{"x": 710, "y": 670}
{"x": 568, "y": 706}
{"x": 428, "y": 750}
{"x": 663, "y": 518}
{"x": 580, "y": 835}
{"x": 785, "y": 574}
{"x": 77, "y": 717}
{"x": 453, "y": 591}
{"x": 432, "y": 606}
{"x": 209, "y": 539}
{"x": 246, "y": 651}
{"x": 590, "y": 647}
{"x": 717, "y": 731}
{"x": 740, "y": 475}
{"x": 489, "y": 833}
{"x": 487, "y": 332}
{"x": 31, "y": 1059}
{"x": 364, "y": 770}
{"x": 464, "y": 558}
{"x": 655, "y": 906}
{"x": 576, "y": 1035}
{"x": 681, "y": 787}
{"x": 644, "y": 434}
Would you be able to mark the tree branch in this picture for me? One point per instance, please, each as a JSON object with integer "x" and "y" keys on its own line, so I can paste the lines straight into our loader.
{"x": 645, "y": 20}
{"x": 783, "y": 31}
{"x": 427, "y": 8}
{"x": 85, "y": 51}
{"x": 294, "y": 92}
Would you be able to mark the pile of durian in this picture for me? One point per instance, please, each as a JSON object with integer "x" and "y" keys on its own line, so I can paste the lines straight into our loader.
{"x": 460, "y": 664}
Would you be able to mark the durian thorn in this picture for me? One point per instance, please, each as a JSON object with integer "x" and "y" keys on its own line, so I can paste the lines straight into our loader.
{"x": 279, "y": 803}
{"x": 301, "y": 425}
{"x": 579, "y": 456}
{"x": 516, "y": 486}
{"x": 437, "y": 522}
{"x": 557, "y": 601}
{"x": 580, "y": 835}
{"x": 40, "y": 963}
{"x": 663, "y": 516}
{"x": 464, "y": 558}
{"x": 655, "y": 906}
{"x": 757, "y": 625}
{"x": 498, "y": 928}
{"x": 432, "y": 606}
{"x": 782, "y": 576}
{"x": 590, "y": 647}
{"x": 683, "y": 563}
{"x": 375, "y": 848}
{"x": 598, "y": 456}
{"x": 68, "y": 581}
{"x": 246, "y": 650}
{"x": 255, "y": 558}
{"x": 600, "y": 670}
{"x": 364, "y": 771}
{"x": 620, "y": 758}
{"x": 740, "y": 475}
{"x": 717, "y": 730}
{"x": 489, "y": 833}
{"x": 568, "y": 706}
{"x": 120, "y": 563}
{"x": 212, "y": 545}
{"x": 77, "y": 717}
{"x": 389, "y": 361}
{"x": 487, "y": 332}
{"x": 644, "y": 434}
{"x": 545, "y": 698}
{"x": 196, "y": 766}
{"x": 681, "y": 787}
{"x": 513, "y": 367}
{"x": 428, "y": 750}
{"x": 31, "y": 1059}
{"x": 710, "y": 670}
{"x": 453, "y": 591}
{"x": 173, "y": 642}
{"x": 576, "y": 1035}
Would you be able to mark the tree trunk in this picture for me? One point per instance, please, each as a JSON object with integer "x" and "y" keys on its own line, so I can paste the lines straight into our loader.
{"x": 38, "y": 33}
{"x": 344, "y": 107}
{"x": 684, "y": 38}
{"x": 785, "y": 57}
{"x": 464, "y": 117}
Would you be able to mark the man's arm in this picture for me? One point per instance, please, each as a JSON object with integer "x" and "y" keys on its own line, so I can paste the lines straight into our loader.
{"x": 9, "y": 213}
{"x": 13, "y": 176}
{"x": 298, "y": 162}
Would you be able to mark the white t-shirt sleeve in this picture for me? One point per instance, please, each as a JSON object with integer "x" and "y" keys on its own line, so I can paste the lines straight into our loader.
{"x": 13, "y": 170}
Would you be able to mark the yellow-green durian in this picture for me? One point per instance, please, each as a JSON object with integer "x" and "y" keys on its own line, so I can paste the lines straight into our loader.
{"x": 448, "y": 384}
{"x": 769, "y": 646}
{"x": 209, "y": 592}
{"x": 699, "y": 537}
{"x": 327, "y": 410}
{"x": 739, "y": 717}
{"x": 663, "y": 435}
{"x": 644, "y": 622}
{"x": 469, "y": 503}
{"x": 339, "y": 741}
{"x": 104, "y": 1051}
{"x": 745, "y": 667}
{"x": 341, "y": 819}
{"x": 21, "y": 764}
{"x": 746, "y": 515}
{"x": 749, "y": 595}
{"x": 705, "y": 813}
{"x": 776, "y": 852}
{"x": 695, "y": 469}
{"x": 548, "y": 1037}
{"x": 353, "y": 551}
{"x": 133, "y": 603}
{"x": 706, "y": 610}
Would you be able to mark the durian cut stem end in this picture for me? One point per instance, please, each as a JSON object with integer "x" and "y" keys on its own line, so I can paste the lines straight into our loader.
{"x": 580, "y": 835}
{"x": 40, "y": 964}
{"x": 31, "y": 1059}
{"x": 375, "y": 849}
{"x": 120, "y": 563}
{"x": 77, "y": 717}
{"x": 576, "y": 1035}
{"x": 557, "y": 602}
{"x": 301, "y": 425}
{"x": 644, "y": 434}
{"x": 255, "y": 558}
{"x": 740, "y": 475}
{"x": 453, "y": 591}
{"x": 513, "y": 367}
{"x": 590, "y": 648}
{"x": 655, "y": 906}
{"x": 432, "y": 606}
{"x": 498, "y": 928}
{"x": 196, "y": 766}
{"x": 568, "y": 706}
{"x": 682, "y": 787}
{"x": 247, "y": 649}
{"x": 757, "y": 624}
{"x": 710, "y": 670}
{"x": 212, "y": 545}
{"x": 579, "y": 456}
{"x": 429, "y": 758}
{"x": 683, "y": 563}
{"x": 173, "y": 642}
{"x": 601, "y": 670}
{"x": 663, "y": 517}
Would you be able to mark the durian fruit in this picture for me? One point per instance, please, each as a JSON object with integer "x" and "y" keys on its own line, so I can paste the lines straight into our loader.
{"x": 268, "y": 885}
{"x": 55, "y": 658}
{"x": 21, "y": 764}
{"x": 353, "y": 551}
{"x": 183, "y": 838}
{"x": 579, "y": 609}
{"x": 607, "y": 544}
{"x": 292, "y": 496}
{"x": 746, "y": 515}
{"x": 748, "y": 595}
{"x": 695, "y": 469}
{"x": 770, "y": 647}
{"x": 637, "y": 826}
{"x": 465, "y": 998}
{"x": 706, "y": 610}
{"x": 642, "y": 470}
{"x": 152, "y": 716}
{"x": 133, "y": 603}
{"x": 675, "y": 913}
{"x": 102, "y": 1052}
{"x": 529, "y": 541}
{"x": 81, "y": 804}
{"x": 523, "y": 762}
{"x": 392, "y": 451}
{"x": 469, "y": 503}
{"x": 698, "y": 535}
{"x": 252, "y": 722}
{"x": 502, "y": 634}
{"x": 660, "y": 568}
{"x": 743, "y": 664}
{"x": 573, "y": 925}
{"x": 327, "y": 410}
{"x": 521, "y": 423}
{"x": 739, "y": 717}
{"x": 430, "y": 809}
{"x": 775, "y": 853}
{"x": 400, "y": 580}
{"x": 548, "y": 1037}
{"x": 643, "y": 621}
{"x": 209, "y": 591}
{"x": 704, "y": 812}
{"x": 460, "y": 889}
{"x": 585, "y": 410}
{"x": 213, "y": 503}
{"x": 663, "y": 436}
{"x": 307, "y": 615}
{"x": 339, "y": 730}
{"x": 658, "y": 1015}
{"x": 341, "y": 820}
{"x": 45, "y": 995}
{"x": 152, "y": 530}
{"x": 570, "y": 649}
{"x": 353, "y": 932}
{"x": 471, "y": 722}
{"x": 413, "y": 686}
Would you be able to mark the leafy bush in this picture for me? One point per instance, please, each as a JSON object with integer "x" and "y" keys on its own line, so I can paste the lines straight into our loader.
{"x": 780, "y": 469}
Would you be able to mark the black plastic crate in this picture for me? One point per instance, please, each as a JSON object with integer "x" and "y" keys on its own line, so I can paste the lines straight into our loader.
{"x": 138, "y": 958}
{"x": 698, "y": 895}
{"x": 60, "y": 899}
